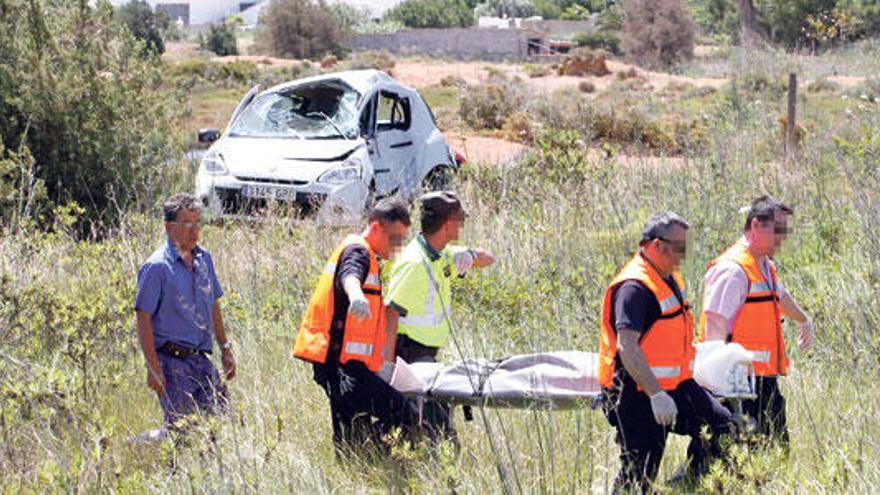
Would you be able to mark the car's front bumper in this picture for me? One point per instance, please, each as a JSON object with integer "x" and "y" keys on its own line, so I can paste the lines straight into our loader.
{"x": 334, "y": 204}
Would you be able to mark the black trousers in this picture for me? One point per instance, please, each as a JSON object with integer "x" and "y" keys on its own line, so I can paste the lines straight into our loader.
{"x": 362, "y": 406}
{"x": 768, "y": 410}
{"x": 436, "y": 416}
{"x": 642, "y": 441}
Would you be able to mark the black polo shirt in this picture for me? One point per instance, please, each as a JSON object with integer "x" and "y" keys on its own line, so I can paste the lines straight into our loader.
{"x": 634, "y": 307}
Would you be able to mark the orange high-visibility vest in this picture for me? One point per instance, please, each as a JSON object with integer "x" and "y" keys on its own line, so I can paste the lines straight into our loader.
{"x": 667, "y": 344}
{"x": 361, "y": 340}
{"x": 758, "y": 326}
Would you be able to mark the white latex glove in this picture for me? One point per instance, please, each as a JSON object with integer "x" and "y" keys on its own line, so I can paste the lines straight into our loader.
{"x": 805, "y": 339}
{"x": 664, "y": 408}
{"x": 359, "y": 307}
{"x": 386, "y": 371}
{"x": 463, "y": 261}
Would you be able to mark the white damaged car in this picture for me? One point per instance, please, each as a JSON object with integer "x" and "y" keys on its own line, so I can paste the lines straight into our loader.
{"x": 327, "y": 146}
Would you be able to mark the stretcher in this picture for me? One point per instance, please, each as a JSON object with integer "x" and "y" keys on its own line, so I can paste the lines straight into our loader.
{"x": 557, "y": 380}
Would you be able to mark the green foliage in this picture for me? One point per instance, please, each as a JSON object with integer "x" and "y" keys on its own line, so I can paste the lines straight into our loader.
{"x": 716, "y": 18}
{"x": 790, "y": 23}
{"x": 144, "y": 24}
{"x": 219, "y": 39}
{"x": 609, "y": 41}
{"x": 22, "y": 193}
{"x": 379, "y": 60}
{"x": 236, "y": 73}
{"x": 432, "y": 14}
{"x": 302, "y": 29}
{"x": 487, "y": 106}
{"x": 657, "y": 33}
{"x": 77, "y": 91}
{"x": 506, "y": 8}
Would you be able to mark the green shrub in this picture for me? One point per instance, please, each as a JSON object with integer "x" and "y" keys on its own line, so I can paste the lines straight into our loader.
{"x": 432, "y": 14}
{"x": 379, "y": 60}
{"x": 536, "y": 70}
{"x": 600, "y": 40}
{"x": 237, "y": 72}
{"x": 487, "y": 105}
{"x": 657, "y": 33}
{"x": 144, "y": 24}
{"x": 302, "y": 29}
{"x": 77, "y": 91}
{"x": 823, "y": 85}
{"x": 587, "y": 87}
{"x": 219, "y": 39}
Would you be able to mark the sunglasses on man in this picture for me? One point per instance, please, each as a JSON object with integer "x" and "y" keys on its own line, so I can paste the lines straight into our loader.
{"x": 678, "y": 247}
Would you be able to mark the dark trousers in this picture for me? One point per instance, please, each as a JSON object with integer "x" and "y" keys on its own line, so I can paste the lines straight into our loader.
{"x": 362, "y": 406}
{"x": 436, "y": 416}
{"x": 768, "y": 410}
{"x": 642, "y": 441}
{"x": 192, "y": 385}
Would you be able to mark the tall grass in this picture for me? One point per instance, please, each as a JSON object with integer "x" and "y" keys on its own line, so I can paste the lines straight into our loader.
{"x": 72, "y": 382}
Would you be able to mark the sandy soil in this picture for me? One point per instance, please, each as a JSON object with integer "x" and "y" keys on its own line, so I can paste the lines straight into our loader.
{"x": 485, "y": 149}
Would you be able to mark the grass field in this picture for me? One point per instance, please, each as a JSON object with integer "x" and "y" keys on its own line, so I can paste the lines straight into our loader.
{"x": 561, "y": 221}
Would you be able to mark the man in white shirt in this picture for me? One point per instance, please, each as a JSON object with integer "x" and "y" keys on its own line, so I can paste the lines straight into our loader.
{"x": 744, "y": 302}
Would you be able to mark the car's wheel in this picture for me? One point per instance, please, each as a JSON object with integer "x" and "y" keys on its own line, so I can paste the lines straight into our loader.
{"x": 440, "y": 178}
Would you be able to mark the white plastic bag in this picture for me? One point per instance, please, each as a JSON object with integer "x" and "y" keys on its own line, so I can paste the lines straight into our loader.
{"x": 723, "y": 368}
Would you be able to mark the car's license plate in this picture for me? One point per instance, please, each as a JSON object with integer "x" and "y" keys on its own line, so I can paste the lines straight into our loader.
{"x": 269, "y": 192}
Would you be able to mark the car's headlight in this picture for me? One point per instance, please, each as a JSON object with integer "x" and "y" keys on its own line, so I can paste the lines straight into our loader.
{"x": 213, "y": 164}
{"x": 351, "y": 169}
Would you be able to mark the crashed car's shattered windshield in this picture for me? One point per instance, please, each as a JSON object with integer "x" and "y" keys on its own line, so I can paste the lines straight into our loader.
{"x": 325, "y": 111}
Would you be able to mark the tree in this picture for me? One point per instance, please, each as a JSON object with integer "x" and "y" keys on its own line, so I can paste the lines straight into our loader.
{"x": 747, "y": 16}
{"x": 220, "y": 39}
{"x": 144, "y": 24}
{"x": 506, "y": 8}
{"x": 432, "y": 14}
{"x": 82, "y": 109}
{"x": 302, "y": 29}
{"x": 657, "y": 33}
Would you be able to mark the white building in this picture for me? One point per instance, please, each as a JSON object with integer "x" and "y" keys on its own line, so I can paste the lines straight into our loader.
{"x": 197, "y": 12}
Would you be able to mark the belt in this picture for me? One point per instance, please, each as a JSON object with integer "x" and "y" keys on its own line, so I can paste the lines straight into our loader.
{"x": 179, "y": 351}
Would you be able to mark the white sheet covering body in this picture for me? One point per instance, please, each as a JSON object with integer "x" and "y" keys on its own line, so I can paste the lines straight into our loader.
{"x": 557, "y": 380}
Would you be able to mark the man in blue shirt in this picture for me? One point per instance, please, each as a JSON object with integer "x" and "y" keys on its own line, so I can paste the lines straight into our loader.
{"x": 177, "y": 316}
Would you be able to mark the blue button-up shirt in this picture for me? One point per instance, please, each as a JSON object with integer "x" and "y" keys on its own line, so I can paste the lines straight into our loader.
{"x": 179, "y": 298}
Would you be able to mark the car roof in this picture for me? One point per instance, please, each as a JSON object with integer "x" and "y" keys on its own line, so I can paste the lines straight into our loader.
{"x": 359, "y": 80}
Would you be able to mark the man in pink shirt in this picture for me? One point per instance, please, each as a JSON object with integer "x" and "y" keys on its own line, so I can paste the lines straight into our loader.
{"x": 744, "y": 301}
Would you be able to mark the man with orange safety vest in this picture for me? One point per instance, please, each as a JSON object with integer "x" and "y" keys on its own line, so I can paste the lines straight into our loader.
{"x": 345, "y": 335}
{"x": 646, "y": 362}
{"x": 744, "y": 302}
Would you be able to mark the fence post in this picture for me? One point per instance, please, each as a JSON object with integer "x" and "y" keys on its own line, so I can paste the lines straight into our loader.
{"x": 790, "y": 138}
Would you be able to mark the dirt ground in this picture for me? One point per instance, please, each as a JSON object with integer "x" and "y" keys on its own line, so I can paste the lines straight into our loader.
{"x": 485, "y": 149}
{"x": 420, "y": 72}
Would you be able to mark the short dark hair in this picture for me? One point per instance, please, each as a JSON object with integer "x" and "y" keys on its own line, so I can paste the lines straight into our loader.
{"x": 180, "y": 202}
{"x": 764, "y": 208}
{"x": 660, "y": 224}
{"x": 437, "y": 208}
{"x": 389, "y": 210}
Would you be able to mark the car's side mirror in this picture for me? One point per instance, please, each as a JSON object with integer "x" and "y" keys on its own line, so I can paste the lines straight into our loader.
{"x": 208, "y": 136}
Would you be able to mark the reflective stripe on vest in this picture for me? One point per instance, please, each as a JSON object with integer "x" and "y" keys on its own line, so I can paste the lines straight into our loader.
{"x": 430, "y": 318}
{"x": 361, "y": 340}
{"x": 666, "y": 371}
{"x": 359, "y": 348}
{"x": 758, "y": 287}
{"x": 758, "y": 325}
{"x": 762, "y": 356}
